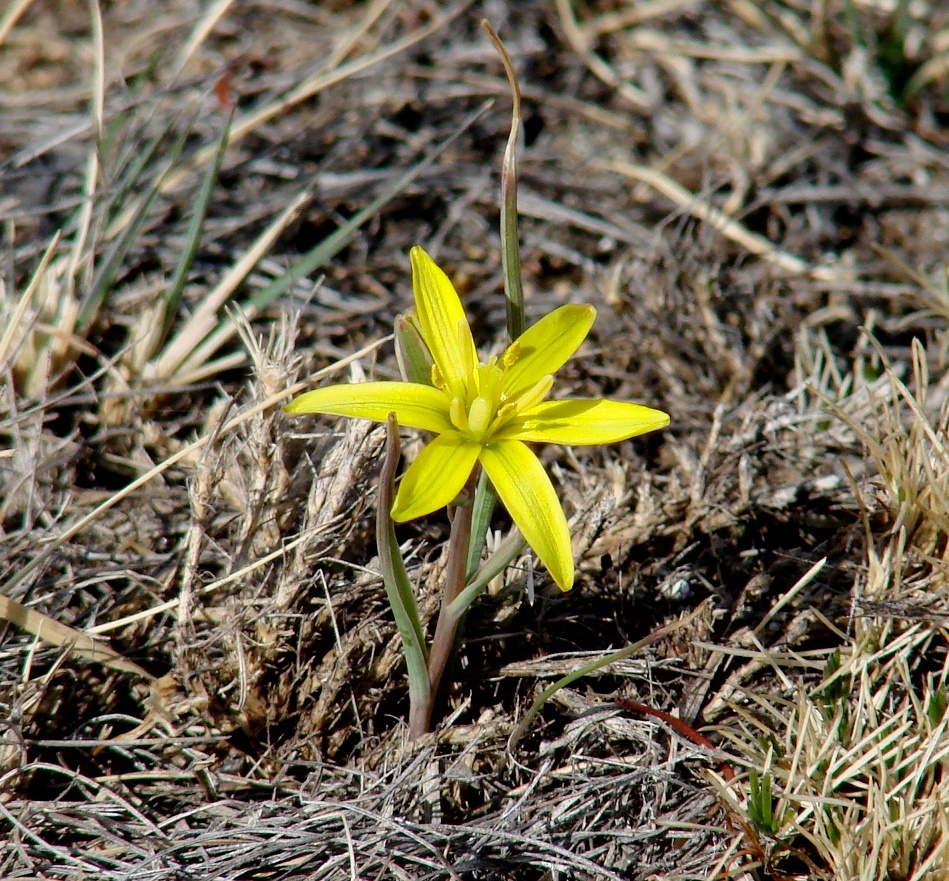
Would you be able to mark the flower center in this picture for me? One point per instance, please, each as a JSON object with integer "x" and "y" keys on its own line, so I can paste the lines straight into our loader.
{"x": 483, "y": 409}
{"x": 474, "y": 413}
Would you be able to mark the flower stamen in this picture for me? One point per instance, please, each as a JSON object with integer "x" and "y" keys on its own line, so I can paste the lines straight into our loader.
{"x": 458, "y": 416}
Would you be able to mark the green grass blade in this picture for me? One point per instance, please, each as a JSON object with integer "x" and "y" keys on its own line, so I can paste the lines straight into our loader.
{"x": 593, "y": 666}
{"x": 195, "y": 228}
{"x": 115, "y": 255}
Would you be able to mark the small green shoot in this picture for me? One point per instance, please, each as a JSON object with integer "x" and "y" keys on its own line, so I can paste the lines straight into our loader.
{"x": 936, "y": 708}
{"x": 761, "y": 804}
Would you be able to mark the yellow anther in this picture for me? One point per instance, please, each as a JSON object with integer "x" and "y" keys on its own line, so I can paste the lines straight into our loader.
{"x": 509, "y": 358}
{"x": 504, "y": 414}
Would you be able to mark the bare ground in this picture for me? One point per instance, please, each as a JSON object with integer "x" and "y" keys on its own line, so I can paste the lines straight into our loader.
{"x": 200, "y": 678}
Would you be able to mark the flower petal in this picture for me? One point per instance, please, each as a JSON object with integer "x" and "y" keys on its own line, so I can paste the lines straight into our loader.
{"x": 526, "y": 491}
{"x": 442, "y": 318}
{"x": 415, "y": 406}
{"x": 546, "y": 346}
{"x": 436, "y": 477}
{"x": 581, "y": 421}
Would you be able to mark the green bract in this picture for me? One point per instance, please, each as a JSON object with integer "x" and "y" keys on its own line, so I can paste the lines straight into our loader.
{"x": 484, "y": 412}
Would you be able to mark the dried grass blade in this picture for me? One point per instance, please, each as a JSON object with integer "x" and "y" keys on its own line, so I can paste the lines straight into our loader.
{"x": 315, "y": 84}
{"x": 202, "y": 27}
{"x": 14, "y": 321}
{"x": 62, "y": 635}
{"x": 11, "y": 16}
{"x": 597, "y": 66}
{"x": 205, "y": 333}
{"x": 718, "y": 219}
{"x": 799, "y": 585}
{"x": 195, "y": 343}
{"x": 53, "y": 547}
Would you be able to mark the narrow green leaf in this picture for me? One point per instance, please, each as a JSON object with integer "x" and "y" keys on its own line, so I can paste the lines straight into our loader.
{"x": 396, "y": 580}
{"x": 115, "y": 255}
{"x": 593, "y": 666}
{"x": 195, "y": 227}
{"x": 761, "y": 803}
{"x": 484, "y": 502}
{"x": 510, "y": 250}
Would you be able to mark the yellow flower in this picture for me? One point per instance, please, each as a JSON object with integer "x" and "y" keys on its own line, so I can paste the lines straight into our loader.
{"x": 487, "y": 413}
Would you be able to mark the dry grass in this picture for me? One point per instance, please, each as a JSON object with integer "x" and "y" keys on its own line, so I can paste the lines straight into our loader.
{"x": 209, "y": 207}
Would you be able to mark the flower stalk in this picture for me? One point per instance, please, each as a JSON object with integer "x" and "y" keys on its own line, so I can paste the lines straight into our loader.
{"x": 446, "y": 630}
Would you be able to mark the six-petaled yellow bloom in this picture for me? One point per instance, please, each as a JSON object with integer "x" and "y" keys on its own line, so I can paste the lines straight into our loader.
{"x": 487, "y": 413}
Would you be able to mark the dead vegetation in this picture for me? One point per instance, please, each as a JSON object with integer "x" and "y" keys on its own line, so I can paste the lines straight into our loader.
{"x": 198, "y": 675}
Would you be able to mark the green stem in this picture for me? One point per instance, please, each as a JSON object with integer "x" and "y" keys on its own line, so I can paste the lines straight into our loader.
{"x": 483, "y": 509}
{"x": 443, "y": 642}
{"x": 477, "y": 584}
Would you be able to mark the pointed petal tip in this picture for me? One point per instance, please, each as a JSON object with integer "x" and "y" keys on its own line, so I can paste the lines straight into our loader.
{"x": 418, "y": 256}
{"x": 526, "y": 491}
{"x": 562, "y": 571}
{"x": 660, "y": 419}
